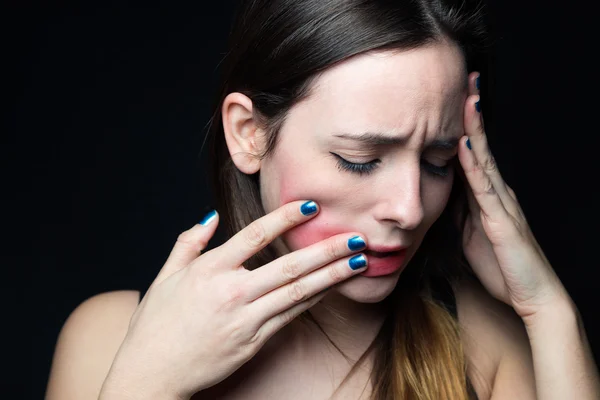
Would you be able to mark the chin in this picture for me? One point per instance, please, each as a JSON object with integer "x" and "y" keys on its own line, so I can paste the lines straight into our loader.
{"x": 364, "y": 289}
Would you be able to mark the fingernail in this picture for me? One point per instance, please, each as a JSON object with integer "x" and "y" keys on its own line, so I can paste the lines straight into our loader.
{"x": 308, "y": 208}
{"x": 208, "y": 218}
{"x": 477, "y": 106}
{"x": 357, "y": 262}
{"x": 477, "y": 82}
{"x": 468, "y": 143}
{"x": 356, "y": 243}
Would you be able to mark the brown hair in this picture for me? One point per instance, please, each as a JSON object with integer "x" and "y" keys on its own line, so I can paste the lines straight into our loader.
{"x": 277, "y": 49}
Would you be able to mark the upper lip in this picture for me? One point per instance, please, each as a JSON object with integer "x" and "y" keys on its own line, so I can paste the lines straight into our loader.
{"x": 385, "y": 249}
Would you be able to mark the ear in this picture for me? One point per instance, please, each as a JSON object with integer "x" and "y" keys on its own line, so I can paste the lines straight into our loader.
{"x": 244, "y": 138}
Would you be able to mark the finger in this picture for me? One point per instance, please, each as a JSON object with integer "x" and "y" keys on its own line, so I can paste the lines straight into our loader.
{"x": 292, "y": 266}
{"x": 481, "y": 185}
{"x": 473, "y": 205}
{"x": 263, "y": 231}
{"x": 189, "y": 246}
{"x": 479, "y": 144}
{"x": 285, "y": 297}
{"x": 474, "y": 82}
{"x": 276, "y": 323}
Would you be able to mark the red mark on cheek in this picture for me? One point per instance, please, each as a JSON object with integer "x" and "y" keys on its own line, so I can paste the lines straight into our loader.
{"x": 322, "y": 226}
{"x": 311, "y": 232}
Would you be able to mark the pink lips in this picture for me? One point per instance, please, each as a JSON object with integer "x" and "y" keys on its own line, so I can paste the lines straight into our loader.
{"x": 385, "y": 249}
{"x": 384, "y": 261}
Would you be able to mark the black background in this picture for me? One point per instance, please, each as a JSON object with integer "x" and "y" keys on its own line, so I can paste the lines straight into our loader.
{"x": 106, "y": 114}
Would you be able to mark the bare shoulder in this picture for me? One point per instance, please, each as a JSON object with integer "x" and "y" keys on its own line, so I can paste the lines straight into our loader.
{"x": 88, "y": 343}
{"x": 496, "y": 344}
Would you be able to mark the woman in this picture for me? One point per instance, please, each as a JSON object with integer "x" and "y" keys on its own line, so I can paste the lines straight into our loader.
{"x": 337, "y": 138}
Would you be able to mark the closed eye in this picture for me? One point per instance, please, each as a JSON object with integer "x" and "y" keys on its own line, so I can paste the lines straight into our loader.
{"x": 437, "y": 171}
{"x": 357, "y": 168}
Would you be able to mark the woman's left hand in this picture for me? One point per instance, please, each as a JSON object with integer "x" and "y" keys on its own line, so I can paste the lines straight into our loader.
{"x": 497, "y": 241}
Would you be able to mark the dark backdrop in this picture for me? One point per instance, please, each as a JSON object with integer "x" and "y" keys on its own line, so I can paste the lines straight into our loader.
{"x": 102, "y": 164}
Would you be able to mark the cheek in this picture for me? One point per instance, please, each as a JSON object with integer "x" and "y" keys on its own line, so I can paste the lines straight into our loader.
{"x": 317, "y": 229}
{"x": 289, "y": 176}
{"x": 310, "y": 184}
{"x": 435, "y": 199}
{"x": 300, "y": 184}
{"x": 332, "y": 211}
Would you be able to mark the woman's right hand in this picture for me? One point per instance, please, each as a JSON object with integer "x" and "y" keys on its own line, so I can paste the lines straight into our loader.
{"x": 205, "y": 315}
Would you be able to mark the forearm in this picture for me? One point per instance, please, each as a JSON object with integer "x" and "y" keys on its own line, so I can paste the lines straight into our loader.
{"x": 563, "y": 363}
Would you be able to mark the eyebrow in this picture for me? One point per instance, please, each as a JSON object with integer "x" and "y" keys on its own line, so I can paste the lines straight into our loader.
{"x": 381, "y": 139}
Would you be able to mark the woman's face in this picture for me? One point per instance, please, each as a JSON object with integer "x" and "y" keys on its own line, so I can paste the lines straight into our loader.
{"x": 411, "y": 100}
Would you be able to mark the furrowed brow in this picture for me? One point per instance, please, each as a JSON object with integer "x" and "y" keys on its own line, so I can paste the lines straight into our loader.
{"x": 380, "y": 139}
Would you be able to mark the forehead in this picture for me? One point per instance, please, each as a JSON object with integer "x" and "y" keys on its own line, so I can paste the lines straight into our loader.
{"x": 384, "y": 88}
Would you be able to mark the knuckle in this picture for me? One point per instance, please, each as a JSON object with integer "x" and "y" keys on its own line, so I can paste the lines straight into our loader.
{"x": 475, "y": 169}
{"x": 232, "y": 296}
{"x": 296, "y": 292}
{"x": 291, "y": 267}
{"x": 332, "y": 249}
{"x": 255, "y": 235}
{"x": 335, "y": 274}
{"x": 190, "y": 241}
{"x": 290, "y": 217}
{"x": 488, "y": 188}
{"x": 256, "y": 341}
{"x": 489, "y": 164}
{"x": 237, "y": 330}
{"x": 287, "y": 317}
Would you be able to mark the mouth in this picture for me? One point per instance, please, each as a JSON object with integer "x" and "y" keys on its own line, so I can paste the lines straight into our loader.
{"x": 384, "y": 262}
{"x": 380, "y": 254}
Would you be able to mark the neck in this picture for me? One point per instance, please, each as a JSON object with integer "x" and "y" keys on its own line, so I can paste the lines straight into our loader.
{"x": 350, "y": 325}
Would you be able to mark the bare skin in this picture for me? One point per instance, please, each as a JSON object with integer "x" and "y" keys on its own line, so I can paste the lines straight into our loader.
{"x": 294, "y": 366}
{"x": 413, "y": 98}
{"x": 417, "y": 95}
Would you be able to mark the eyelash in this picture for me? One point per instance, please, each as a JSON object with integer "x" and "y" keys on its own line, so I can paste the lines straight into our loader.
{"x": 368, "y": 167}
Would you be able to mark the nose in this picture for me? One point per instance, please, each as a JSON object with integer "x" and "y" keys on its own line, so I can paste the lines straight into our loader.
{"x": 399, "y": 200}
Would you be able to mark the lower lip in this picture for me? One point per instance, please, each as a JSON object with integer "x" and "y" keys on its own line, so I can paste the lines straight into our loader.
{"x": 378, "y": 266}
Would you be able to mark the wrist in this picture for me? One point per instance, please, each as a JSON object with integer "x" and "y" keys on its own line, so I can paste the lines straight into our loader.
{"x": 118, "y": 387}
{"x": 133, "y": 392}
{"x": 560, "y": 314}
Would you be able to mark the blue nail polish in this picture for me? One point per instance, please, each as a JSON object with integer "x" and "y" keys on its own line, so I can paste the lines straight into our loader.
{"x": 477, "y": 82}
{"x": 477, "y": 106}
{"x": 357, "y": 262}
{"x": 356, "y": 243}
{"x": 208, "y": 218}
{"x": 468, "y": 143}
{"x": 308, "y": 208}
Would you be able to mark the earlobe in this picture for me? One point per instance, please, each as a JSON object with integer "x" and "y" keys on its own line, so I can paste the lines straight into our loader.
{"x": 242, "y": 134}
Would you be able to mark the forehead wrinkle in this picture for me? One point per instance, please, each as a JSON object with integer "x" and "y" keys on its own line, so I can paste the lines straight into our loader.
{"x": 388, "y": 97}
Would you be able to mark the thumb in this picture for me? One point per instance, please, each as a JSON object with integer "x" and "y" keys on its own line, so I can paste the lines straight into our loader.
{"x": 189, "y": 246}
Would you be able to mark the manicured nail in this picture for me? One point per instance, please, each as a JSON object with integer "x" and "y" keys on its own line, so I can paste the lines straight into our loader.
{"x": 308, "y": 208}
{"x": 477, "y": 82}
{"x": 477, "y": 106}
{"x": 356, "y": 243}
{"x": 208, "y": 218}
{"x": 468, "y": 143}
{"x": 357, "y": 262}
